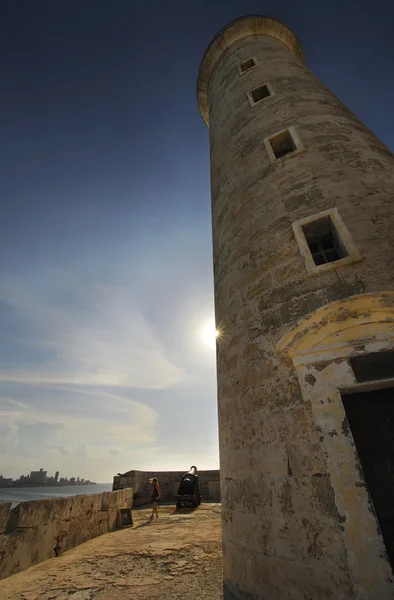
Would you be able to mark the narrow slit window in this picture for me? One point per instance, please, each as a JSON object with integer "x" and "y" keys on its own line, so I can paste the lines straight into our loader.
{"x": 323, "y": 241}
{"x": 248, "y": 64}
{"x": 282, "y": 144}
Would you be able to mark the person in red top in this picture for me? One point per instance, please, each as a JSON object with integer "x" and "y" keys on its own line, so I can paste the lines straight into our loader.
{"x": 156, "y": 495}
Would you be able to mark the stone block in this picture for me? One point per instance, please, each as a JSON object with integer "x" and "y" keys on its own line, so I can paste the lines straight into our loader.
{"x": 5, "y": 509}
{"x": 61, "y": 510}
{"x": 34, "y": 513}
{"x": 116, "y": 499}
{"x": 85, "y": 504}
{"x": 102, "y": 523}
{"x": 122, "y": 498}
{"x": 243, "y": 531}
{"x": 270, "y": 459}
{"x": 112, "y": 518}
{"x": 21, "y": 549}
{"x": 234, "y": 563}
{"x": 305, "y": 497}
{"x": 214, "y": 491}
{"x": 240, "y": 459}
{"x": 305, "y": 455}
{"x": 105, "y": 499}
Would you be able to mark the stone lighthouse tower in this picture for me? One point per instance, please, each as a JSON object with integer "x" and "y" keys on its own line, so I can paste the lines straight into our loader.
{"x": 303, "y": 240}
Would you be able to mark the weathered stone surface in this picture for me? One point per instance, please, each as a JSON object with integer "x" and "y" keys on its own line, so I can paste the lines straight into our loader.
{"x": 293, "y": 505}
{"x": 5, "y": 508}
{"x": 173, "y": 557}
{"x": 40, "y": 529}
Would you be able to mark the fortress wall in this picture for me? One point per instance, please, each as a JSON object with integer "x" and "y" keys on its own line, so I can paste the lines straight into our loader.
{"x": 209, "y": 484}
{"x": 40, "y": 529}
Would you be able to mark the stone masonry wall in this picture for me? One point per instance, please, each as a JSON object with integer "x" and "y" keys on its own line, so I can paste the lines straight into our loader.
{"x": 209, "y": 484}
{"x": 40, "y": 529}
{"x": 282, "y": 525}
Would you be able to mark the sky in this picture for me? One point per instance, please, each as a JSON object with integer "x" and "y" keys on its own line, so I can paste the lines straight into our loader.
{"x": 107, "y": 359}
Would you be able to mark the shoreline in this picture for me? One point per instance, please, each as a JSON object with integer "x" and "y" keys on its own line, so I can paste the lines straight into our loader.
{"x": 16, "y": 495}
{"x": 37, "y": 485}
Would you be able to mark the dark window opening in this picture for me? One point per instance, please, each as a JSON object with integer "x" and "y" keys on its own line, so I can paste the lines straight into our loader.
{"x": 371, "y": 367}
{"x": 248, "y": 64}
{"x": 371, "y": 420}
{"x": 260, "y": 93}
{"x": 282, "y": 144}
{"x": 324, "y": 242}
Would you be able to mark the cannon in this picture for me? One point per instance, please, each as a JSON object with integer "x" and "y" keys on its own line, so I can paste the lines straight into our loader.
{"x": 188, "y": 492}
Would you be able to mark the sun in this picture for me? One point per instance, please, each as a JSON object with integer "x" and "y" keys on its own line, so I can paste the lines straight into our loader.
{"x": 210, "y": 334}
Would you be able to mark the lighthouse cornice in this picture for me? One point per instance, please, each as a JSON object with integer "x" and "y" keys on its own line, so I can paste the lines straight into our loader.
{"x": 235, "y": 31}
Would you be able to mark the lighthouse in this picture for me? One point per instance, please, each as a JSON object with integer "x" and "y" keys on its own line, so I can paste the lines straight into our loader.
{"x": 303, "y": 250}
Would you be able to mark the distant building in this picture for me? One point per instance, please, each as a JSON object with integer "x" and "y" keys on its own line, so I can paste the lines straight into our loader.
{"x": 4, "y": 482}
{"x": 56, "y": 476}
{"x": 38, "y": 477}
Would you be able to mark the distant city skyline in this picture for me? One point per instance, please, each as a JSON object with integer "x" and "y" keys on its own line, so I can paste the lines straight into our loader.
{"x": 41, "y": 478}
{"x": 107, "y": 361}
{"x": 5, "y": 474}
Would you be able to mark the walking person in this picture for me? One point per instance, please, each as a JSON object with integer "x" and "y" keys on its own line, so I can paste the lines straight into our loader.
{"x": 156, "y": 495}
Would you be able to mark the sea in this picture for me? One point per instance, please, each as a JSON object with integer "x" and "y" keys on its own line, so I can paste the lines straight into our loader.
{"x": 19, "y": 494}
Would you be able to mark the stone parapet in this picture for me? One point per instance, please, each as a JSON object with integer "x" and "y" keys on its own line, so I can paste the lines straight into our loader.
{"x": 40, "y": 529}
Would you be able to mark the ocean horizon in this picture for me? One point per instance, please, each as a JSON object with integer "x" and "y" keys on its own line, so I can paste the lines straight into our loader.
{"x": 19, "y": 494}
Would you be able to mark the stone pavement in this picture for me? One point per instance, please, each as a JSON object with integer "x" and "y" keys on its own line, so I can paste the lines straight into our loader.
{"x": 177, "y": 556}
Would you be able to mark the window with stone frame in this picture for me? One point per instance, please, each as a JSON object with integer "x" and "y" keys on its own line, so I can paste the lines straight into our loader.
{"x": 247, "y": 65}
{"x": 283, "y": 143}
{"x": 260, "y": 93}
{"x": 325, "y": 242}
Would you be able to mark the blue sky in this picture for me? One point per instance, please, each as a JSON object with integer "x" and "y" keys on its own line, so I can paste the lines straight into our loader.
{"x": 105, "y": 241}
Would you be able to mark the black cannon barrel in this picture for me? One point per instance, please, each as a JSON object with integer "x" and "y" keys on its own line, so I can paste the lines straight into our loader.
{"x": 189, "y": 482}
{"x": 188, "y": 493}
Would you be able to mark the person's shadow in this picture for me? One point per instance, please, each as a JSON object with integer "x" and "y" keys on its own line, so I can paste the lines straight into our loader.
{"x": 145, "y": 524}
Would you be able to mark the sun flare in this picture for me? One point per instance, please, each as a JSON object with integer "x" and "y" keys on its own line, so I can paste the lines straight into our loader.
{"x": 210, "y": 334}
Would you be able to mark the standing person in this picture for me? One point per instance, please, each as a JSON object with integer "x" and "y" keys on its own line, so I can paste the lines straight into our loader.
{"x": 156, "y": 494}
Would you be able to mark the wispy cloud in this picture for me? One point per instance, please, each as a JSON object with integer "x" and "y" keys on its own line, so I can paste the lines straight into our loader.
{"x": 98, "y": 338}
{"x": 75, "y": 440}
{"x": 99, "y": 377}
